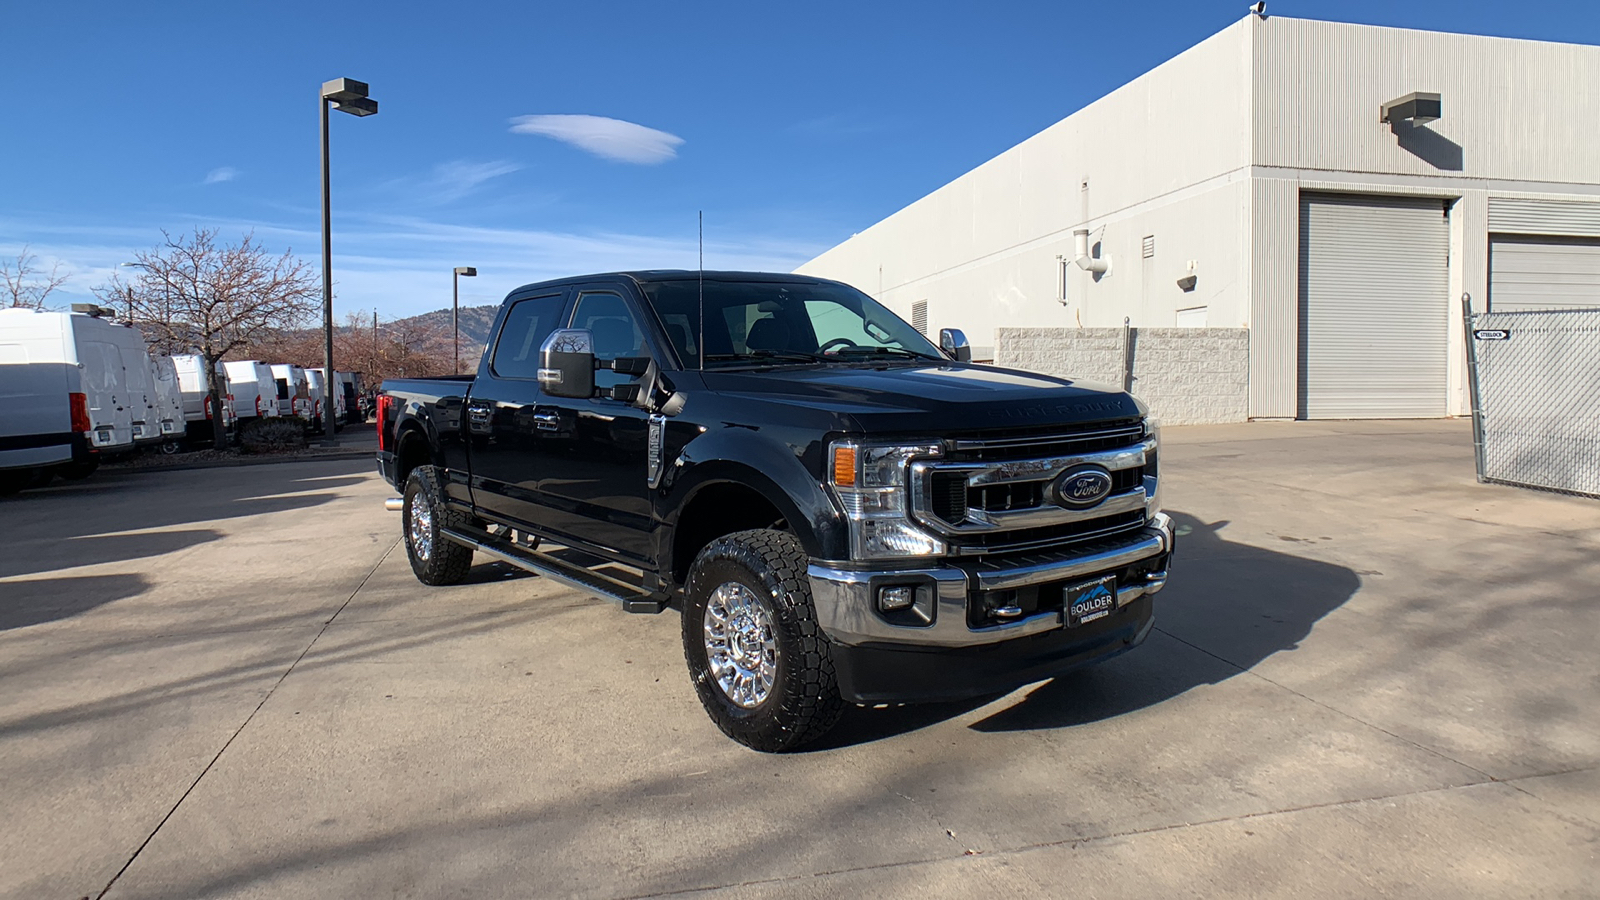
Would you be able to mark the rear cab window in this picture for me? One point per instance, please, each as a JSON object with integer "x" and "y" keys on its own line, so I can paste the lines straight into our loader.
{"x": 527, "y": 323}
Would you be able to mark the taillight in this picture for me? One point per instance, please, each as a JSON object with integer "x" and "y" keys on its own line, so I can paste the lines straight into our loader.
{"x": 383, "y": 420}
{"x": 258, "y": 406}
{"x": 79, "y": 405}
{"x": 208, "y": 406}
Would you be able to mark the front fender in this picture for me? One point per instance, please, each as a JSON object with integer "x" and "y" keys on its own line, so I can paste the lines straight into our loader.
{"x": 746, "y": 457}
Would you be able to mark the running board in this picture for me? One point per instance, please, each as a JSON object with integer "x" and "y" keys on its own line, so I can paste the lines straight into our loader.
{"x": 632, "y": 598}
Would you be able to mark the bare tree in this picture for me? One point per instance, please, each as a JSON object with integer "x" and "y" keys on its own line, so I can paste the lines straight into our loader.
{"x": 25, "y": 285}
{"x": 193, "y": 294}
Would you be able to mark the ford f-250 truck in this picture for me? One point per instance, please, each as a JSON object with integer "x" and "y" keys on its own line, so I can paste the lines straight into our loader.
{"x": 843, "y": 511}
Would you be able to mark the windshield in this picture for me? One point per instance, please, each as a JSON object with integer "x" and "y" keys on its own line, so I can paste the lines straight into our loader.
{"x": 781, "y": 322}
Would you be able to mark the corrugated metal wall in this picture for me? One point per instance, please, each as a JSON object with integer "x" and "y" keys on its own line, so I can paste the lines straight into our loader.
{"x": 1513, "y": 109}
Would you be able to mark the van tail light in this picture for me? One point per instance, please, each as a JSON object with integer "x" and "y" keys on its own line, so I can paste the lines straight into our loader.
{"x": 258, "y": 406}
{"x": 208, "y": 406}
{"x": 384, "y": 400}
{"x": 79, "y": 405}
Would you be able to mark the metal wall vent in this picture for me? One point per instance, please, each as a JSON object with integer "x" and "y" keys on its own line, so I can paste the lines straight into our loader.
{"x": 1149, "y": 248}
{"x": 919, "y": 316}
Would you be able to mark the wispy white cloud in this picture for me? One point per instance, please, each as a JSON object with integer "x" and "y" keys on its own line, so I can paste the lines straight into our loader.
{"x": 221, "y": 174}
{"x": 606, "y": 138}
{"x": 450, "y": 181}
{"x": 401, "y": 264}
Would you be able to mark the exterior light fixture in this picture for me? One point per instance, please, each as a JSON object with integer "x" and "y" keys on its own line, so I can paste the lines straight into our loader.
{"x": 455, "y": 310}
{"x": 349, "y": 96}
{"x": 1417, "y": 108}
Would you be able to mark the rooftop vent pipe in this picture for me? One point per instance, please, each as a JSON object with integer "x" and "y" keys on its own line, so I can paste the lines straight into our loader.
{"x": 1080, "y": 241}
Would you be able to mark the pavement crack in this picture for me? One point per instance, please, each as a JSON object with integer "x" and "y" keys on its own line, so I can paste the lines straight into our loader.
{"x": 246, "y": 723}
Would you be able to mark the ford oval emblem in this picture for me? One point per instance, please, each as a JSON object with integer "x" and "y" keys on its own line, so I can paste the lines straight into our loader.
{"x": 1082, "y": 487}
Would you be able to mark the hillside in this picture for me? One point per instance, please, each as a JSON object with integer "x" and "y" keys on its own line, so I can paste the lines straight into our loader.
{"x": 475, "y": 324}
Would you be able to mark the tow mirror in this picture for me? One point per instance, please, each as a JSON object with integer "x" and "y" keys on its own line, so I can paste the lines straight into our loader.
{"x": 953, "y": 341}
{"x": 566, "y": 363}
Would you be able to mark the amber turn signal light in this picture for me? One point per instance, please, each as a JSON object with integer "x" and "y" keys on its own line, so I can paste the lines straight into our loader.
{"x": 844, "y": 466}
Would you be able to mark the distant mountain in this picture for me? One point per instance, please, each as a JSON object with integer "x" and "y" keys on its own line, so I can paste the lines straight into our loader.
{"x": 475, "y": 324}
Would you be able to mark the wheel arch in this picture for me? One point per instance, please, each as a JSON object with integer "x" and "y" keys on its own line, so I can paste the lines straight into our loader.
{"x": 724, "y": 497}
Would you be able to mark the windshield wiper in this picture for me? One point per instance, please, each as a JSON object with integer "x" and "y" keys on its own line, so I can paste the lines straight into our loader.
{"x": 751, "y": 355}
{"x": 886, "y": 351}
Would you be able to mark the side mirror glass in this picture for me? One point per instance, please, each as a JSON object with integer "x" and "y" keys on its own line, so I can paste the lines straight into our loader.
{"x": 953, "y": 341}
{"x": 566, "y": 363}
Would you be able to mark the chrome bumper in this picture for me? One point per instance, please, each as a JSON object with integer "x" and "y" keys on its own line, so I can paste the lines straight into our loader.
{"x": 846, "y": 613}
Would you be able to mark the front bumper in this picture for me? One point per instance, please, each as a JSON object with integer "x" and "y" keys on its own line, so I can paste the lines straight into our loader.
{"x": 954, "y": 657}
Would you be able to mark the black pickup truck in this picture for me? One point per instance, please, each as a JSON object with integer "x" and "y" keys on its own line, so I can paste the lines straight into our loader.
{"x": 843, "y": 511}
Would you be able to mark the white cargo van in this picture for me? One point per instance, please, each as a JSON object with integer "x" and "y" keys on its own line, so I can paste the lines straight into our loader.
{"x": 294, "y": 390}
{"x": 195, "y": 385}
{"x": 255, "y": 396}
{"x": 139, "y": 384}
{"x": 320, "y": 394}
{"x": 169, "y": 402}
{"x": 63, "y": 394}
{"x": 350, "y": 396}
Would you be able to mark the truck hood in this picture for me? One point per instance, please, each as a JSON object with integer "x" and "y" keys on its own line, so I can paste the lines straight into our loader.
{"x": 933, "y": 398}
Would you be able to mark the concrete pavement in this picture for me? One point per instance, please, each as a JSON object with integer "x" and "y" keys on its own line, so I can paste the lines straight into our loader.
{"x": 1370, "y": 676}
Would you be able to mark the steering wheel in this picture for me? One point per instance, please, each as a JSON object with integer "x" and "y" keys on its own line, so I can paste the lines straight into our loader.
{"x": 841, "y": 341}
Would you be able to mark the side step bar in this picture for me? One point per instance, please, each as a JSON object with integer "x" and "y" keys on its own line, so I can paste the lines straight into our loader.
{"x": 632, "y": 598}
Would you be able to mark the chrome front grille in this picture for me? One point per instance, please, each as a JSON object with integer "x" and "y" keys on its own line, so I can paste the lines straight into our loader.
{"x": 983, "y": 498}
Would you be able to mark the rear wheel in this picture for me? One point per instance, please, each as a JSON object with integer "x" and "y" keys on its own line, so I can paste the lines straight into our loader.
{"x": 759, "y": 662}
{"x": 435, "y": 559}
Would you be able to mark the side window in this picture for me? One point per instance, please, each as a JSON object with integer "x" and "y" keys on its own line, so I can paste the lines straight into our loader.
{"x": 616, "y": 332}
{"x": 528, "y": 323}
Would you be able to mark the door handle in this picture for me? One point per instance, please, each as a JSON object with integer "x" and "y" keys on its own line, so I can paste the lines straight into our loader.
{"x": 479, "y": 414}
{"x": 547, "y": 421}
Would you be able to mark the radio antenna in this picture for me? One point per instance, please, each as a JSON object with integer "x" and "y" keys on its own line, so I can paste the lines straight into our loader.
{"x": 702, "y": 344}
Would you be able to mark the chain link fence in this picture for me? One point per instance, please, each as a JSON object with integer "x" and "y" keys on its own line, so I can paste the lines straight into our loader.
{"x": 1535, "y": 379}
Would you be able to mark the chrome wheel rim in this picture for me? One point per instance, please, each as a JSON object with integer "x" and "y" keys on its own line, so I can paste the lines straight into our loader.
{"x": 740, "y": 647}
{"x": 421, "y": 529}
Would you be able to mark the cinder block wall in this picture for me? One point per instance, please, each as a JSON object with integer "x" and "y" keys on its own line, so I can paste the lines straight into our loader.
{"x": 1186, "y": 375}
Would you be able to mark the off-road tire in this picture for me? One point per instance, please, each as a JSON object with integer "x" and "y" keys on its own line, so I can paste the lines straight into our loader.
{"x": 441, "y": 561}
{"x": 804, "y": 701}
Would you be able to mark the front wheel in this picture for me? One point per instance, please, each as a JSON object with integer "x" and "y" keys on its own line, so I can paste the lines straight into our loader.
{"x": 759, "y": 662}
{"x": 435, "y": 559}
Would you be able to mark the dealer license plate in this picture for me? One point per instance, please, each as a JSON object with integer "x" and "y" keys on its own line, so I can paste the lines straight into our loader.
{"x": 1089, "y": 600}
{"x": 103, "y": 435}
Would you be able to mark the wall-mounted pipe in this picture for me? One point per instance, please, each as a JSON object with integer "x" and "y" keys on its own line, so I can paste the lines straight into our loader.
{"x": 1080, "y": 242}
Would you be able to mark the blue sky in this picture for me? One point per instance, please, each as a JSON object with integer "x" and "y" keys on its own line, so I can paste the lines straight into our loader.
{"x": 791, "y": 126}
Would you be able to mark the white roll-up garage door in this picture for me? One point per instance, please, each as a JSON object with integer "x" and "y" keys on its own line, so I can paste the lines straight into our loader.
{"x": 1374, "y": 322}
{"x": 1543, "y": 272}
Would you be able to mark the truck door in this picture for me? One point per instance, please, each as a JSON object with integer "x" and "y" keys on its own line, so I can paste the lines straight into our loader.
{"x": 507, "y": 419}
{"x": 596, "y": 453}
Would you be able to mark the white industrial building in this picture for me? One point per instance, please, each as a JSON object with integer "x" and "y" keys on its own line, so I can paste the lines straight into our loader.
{"x": 1250, "y": 188}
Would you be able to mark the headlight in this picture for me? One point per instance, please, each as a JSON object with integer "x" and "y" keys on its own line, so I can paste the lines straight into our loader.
{"x": 872, "y": 485}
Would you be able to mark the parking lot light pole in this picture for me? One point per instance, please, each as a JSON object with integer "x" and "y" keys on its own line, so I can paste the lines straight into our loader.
{"x": 345, "y": 95}
{"x": 455, "y": 311}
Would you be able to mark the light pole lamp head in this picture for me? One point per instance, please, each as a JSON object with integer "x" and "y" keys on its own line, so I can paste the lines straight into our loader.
{"x": 467, "y": 271}
{"x": 349, "y": 95}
